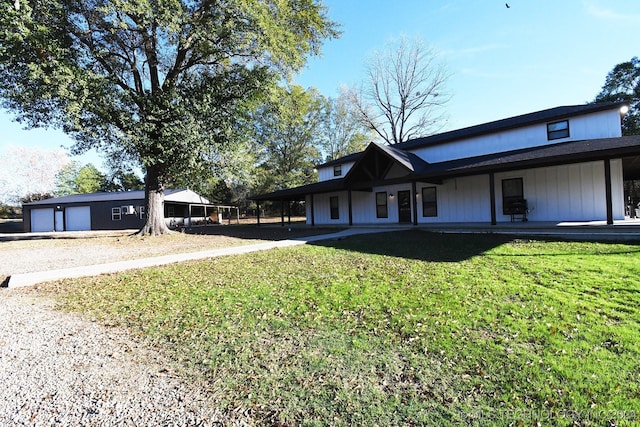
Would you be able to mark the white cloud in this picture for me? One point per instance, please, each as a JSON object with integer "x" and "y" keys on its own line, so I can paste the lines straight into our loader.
{"x": 611, "y": 15}
{"x": 472, "y": 50}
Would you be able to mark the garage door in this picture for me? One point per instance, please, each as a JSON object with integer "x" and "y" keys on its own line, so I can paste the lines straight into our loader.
{"x": 77, "y": 218}
{"x": 41, "y": 220}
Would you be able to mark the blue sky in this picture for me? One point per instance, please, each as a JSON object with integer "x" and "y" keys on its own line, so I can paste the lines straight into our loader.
{"x": 503, "y": 61}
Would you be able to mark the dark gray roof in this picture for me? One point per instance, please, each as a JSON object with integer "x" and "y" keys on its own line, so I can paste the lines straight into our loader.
{"x": 349, "y": 158}
{"x": 298, "y": 192}
{"x": 547, "y": 155}
{"x": 410, "y": 161}
{"x": 544, "y": 116}
{"x": 99, "y": 197}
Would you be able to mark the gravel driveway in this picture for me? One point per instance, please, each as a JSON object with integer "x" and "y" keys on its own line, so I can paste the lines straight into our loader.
{"x": 57, "y": 369}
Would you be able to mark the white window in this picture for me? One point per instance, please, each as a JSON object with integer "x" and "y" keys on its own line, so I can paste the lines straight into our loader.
{"x": 337, "y": 170}
{"x": 116, "y": 214}
{"x": 141, "y": 212}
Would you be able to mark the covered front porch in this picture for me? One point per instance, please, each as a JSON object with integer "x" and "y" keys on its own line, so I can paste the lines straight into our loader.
{"x": 554, "y": 178}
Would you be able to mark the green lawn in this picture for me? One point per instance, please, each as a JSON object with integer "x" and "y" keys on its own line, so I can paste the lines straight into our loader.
{"x": 404, "y": 328}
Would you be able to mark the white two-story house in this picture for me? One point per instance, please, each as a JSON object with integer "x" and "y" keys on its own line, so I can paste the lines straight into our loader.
{"x": 561, "y": 164}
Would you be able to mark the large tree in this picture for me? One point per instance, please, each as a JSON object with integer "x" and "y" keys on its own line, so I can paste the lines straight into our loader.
{"x": 623, "y": 84}
{"x": 403, "y": 93}
{"x": 159, "y": 82}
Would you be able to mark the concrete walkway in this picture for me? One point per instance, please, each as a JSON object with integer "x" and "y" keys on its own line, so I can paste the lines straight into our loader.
{"x": 628, "y": 230}
{"x": 29, "y": 279}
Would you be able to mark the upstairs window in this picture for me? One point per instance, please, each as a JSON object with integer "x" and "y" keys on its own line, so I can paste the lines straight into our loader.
{"x": 558, "y": 130}
{"x": 381, "y": 205}
{"x": 335, "y": 209}
{"x": 337, "y": 170}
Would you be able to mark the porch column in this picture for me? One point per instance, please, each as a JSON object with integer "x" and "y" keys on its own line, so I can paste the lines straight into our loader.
{"x": 282, "y": 213}
{"x": 415, "y": 203}
{"x": 289, "y": 212}
{"x": 350, "y": 208}
{"x": 492, "y": 196}
{"x": 258, "y": 211}
{"x": 313, "y": 213}
{"x": 607, "y": 189}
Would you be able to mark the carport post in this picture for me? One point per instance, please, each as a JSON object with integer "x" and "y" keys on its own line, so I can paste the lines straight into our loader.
{"x": 258, "y": 211}
{"x": 282, "y": 212}
{"x": 289, "y": 212}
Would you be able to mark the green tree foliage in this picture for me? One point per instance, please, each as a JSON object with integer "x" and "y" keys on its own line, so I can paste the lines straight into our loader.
{"x": 9, "y": 211}
{"x": 342, "y": 132}
{"x": 77, "y": 179}
{"x": 74, "y": 178}
{"x": 121, "y": 180}
{"x": 288, "y": 129}
{"x": 35, "y": 197}
{"x": 90, "y": 180}
{"x": 158, "y": 83}
{"x": 623, "y": 84}
{"x": 66, "y": 179}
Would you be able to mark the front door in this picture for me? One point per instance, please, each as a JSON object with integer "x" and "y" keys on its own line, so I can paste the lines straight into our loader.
{"x": 404, "y": 206}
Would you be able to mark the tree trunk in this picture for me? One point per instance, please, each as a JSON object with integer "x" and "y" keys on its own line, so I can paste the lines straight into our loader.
{"x": 154, "y": 205}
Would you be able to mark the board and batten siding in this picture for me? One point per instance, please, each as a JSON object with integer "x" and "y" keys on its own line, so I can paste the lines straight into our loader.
{"x": 322, "y": 209}
{"x": 464, "y": 199}
{"x": 326, "y": 173}
{"x": 567, "y": 193}
{"x": 604, "y": 124}
{"x": 556, "y": 193}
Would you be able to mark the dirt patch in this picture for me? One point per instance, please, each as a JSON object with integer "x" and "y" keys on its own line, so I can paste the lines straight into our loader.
{"x": 62, "y": 250}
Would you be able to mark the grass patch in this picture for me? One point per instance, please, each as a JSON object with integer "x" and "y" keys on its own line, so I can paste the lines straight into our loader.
{"x": 405, "y": 328}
